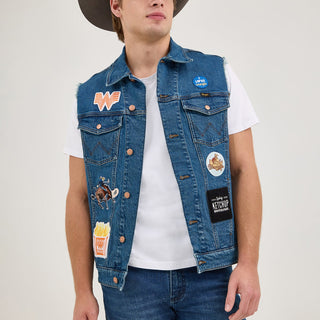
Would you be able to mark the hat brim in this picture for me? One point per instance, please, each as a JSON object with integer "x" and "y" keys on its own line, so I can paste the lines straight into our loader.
{"x": 99, "y": 14}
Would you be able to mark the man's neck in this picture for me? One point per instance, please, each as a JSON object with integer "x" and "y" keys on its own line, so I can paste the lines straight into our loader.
{"x": 143, "y": 57}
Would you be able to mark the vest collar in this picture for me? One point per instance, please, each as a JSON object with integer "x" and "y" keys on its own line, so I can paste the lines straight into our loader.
{"x": 119, "y": 69}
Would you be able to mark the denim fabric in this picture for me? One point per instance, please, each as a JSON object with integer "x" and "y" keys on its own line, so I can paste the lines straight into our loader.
{"x": 193, "y": 100}
{"x": 167, "y": 295}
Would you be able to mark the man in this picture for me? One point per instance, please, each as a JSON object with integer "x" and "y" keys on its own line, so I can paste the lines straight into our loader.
{"x": 164, "y": 133}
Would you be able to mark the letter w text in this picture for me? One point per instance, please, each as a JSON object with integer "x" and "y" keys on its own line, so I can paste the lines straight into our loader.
{"x": 107, "y": 99}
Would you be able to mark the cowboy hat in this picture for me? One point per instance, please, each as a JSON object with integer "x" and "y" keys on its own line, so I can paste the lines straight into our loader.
{"x": 98, "y": 12}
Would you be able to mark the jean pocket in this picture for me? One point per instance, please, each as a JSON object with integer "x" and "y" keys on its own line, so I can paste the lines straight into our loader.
{"x": 207, "y": 118}
{"x": 100, "y": 138}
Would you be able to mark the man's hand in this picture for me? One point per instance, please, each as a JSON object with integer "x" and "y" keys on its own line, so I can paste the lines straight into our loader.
{"x": 86, "y": 307}
{"x": 244, "y": 280}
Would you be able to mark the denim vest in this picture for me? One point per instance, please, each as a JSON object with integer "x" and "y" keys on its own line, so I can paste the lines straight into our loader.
{"x": 193, "y": 99}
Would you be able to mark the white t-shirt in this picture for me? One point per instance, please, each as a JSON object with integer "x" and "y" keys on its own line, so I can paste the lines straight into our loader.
{"x": 161, "y": 240}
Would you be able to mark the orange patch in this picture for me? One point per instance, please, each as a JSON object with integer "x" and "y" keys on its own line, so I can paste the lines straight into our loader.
{"x": 100, "y": 245}
{"x": 107, "y": 99}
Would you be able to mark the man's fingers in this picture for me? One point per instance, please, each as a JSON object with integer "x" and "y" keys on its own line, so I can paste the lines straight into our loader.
{"x": 253, "y": 306}
{"x": 92, "y": 316}
{"x": 247, "y": 307}
{"x": 243, "y": 308}
{"x": 237, "y": 316}
{"x": 232, "y": 290}
{"x": 89, "y": 315}
{"x": 80, "y": 317}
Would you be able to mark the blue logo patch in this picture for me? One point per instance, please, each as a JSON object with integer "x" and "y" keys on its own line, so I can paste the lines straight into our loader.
{"x": 200, "y": 82}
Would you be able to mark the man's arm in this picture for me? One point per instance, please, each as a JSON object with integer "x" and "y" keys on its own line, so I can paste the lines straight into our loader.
{"x": 247, "y": 201}
{"x": 79, "y": 239}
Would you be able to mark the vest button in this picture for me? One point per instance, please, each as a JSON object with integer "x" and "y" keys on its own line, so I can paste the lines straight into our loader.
{"x": 207, "y": 107}
{"x": 98, "y": 126}
{"x": 132, "y": 107}
{"x": 129, "y": 152}
{"x": 122, "y": 239}
{"x": 132, "y": 80}
{"x": 162, "y": 61}
{"x": 127, "y": 195}
{"x": 115, "y": 279}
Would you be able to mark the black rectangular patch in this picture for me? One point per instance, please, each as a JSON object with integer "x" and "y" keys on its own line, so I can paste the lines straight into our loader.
{"x": 219, "y": 204}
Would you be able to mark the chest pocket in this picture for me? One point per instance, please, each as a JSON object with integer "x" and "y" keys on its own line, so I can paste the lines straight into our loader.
{"x": 100, "y": 138}
{"x": 207, "y": 118}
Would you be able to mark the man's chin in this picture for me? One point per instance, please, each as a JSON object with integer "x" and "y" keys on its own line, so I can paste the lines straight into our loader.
{"x": 157, "y": 34}
{"x": 150, "y": 34}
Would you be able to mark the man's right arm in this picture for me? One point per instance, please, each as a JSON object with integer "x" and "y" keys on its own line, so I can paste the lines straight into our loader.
{"x": 79, "y": 239}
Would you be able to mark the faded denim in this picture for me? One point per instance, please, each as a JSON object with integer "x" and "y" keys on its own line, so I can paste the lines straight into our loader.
{"x": 170, "y": 295}
{"x": 192, "y": 131}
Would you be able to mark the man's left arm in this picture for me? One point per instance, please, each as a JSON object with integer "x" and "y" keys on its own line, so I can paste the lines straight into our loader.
{"x": 247, "y": 204}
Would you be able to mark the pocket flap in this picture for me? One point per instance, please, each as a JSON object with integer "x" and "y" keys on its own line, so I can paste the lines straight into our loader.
{"x": 207, "y": 105}
{"x": 100, "y": 124}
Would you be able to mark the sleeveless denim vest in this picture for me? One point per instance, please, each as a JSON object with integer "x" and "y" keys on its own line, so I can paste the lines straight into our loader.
{"x": 193, "y": 99}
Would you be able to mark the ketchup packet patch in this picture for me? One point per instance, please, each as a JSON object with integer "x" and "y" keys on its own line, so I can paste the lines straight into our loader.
{"x": 219, "y": 204}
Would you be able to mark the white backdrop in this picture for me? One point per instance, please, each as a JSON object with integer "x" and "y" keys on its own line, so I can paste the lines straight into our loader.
{"x": 47, "y": 47}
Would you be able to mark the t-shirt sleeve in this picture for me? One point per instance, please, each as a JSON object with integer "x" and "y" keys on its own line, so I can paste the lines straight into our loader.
{"x": 73, "y": 144}
{"x": 241, "y": 114}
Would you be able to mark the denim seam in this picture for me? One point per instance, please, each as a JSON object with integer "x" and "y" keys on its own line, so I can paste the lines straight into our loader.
{"x": 217, "y": 250}
{"x": 111, "y": 269}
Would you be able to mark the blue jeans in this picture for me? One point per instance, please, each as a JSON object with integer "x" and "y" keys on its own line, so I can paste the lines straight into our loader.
{"x": 180, "y": 294}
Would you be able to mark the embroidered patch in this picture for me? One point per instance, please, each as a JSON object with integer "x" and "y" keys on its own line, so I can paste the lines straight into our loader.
{"x": 101, "y": 239}
{"x": 215, "y": 163}
{"x": 219, "y": 204}
{"x": 107, "y": 99}
{"x": 103, "y": 193}
{"x": 200, "y": 82}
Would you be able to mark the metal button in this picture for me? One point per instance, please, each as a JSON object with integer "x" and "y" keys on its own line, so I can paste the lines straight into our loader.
{"x": 115, "y": 279}
{"x": 133, "y": 80}
{"x": 207, "y": 107}
{"x": 132, "y": 107}
{"x": 122, "y": 239}
{"x": 162, "y": 61}
{"x": 127, "y": 195}
{"x": 129, "y": 152}
{"x": 98, "y": 126}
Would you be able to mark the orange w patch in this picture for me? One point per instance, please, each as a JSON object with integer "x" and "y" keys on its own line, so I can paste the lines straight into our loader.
{"x": 107, "y": 99}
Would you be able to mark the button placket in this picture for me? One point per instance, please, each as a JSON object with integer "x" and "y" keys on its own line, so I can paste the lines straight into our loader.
{"x": 132, "y": 107}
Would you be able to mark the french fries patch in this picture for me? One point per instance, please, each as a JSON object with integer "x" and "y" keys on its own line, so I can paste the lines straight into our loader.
{"x": 101, "y": 239}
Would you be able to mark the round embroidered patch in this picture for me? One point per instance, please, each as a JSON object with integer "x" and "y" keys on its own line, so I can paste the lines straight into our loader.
{"x": 215, "y": 163}
{"x": 200, "y": 82}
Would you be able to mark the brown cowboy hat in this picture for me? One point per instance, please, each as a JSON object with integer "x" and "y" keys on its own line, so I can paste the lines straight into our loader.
{"x": 98, "y": 12}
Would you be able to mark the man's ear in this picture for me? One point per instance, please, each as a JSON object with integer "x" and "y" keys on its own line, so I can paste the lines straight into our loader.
{"x": 115, "y": 7}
